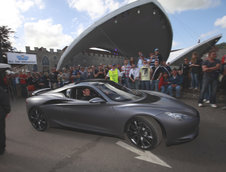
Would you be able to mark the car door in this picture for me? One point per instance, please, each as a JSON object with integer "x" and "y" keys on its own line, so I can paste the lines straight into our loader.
{"x": 85, "y": 115}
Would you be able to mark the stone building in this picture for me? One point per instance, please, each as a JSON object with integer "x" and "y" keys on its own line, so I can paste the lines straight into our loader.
{"x": 90, "y": 57}
{"x": 45, "y": 59}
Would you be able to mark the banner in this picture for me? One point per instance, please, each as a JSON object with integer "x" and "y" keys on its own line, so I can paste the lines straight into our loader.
{"x": 21, "y": 58}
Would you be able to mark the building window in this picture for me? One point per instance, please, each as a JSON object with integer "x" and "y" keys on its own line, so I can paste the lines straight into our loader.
{"x": 45, "y": 61}
{"x": 35, "y": 68}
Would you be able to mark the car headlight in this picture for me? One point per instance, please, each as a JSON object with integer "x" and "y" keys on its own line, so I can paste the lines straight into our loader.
{"x": 178, "y": 116}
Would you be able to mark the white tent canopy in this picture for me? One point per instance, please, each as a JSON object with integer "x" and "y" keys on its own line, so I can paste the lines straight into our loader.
{"x": 4, "y": 66}
{"x": 139, "y": 26}
{"x": 177, "y": 57}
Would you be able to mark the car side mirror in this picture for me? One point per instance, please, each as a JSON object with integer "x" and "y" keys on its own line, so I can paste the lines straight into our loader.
{"x": 97, "y": 100}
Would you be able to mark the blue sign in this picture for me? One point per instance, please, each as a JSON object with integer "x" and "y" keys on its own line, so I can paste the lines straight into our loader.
{"x": 22, "y": 57}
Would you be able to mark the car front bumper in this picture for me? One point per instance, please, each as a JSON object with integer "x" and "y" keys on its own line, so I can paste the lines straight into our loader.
{"x": 179, "y": 131}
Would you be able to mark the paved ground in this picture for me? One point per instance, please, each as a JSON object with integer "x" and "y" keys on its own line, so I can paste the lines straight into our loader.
{"x": 65, "y": 150}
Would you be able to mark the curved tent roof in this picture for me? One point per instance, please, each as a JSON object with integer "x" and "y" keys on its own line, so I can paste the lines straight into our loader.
{"x": 139, "y": 26}
{"x": 177, "y": 57}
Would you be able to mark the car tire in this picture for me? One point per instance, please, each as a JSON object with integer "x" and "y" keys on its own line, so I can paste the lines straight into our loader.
{"x": 144, "y": 132}
{"x": 38, "y": 119}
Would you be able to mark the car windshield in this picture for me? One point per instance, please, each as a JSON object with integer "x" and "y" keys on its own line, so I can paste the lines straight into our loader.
{"x": 119, "y": 93}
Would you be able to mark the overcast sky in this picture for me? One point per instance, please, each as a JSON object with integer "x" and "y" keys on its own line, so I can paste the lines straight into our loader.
{"x": 56, "y": 23}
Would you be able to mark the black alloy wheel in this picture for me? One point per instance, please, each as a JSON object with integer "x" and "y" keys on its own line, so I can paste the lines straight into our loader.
{"x": 144, "y": 132}
{"x": 38, "y": 119}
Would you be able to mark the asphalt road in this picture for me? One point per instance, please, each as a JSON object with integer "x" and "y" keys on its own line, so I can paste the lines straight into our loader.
{"x": 72, "y": 151}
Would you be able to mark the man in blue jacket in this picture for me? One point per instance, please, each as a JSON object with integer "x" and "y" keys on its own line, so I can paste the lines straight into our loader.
{"x": 175, "y": 82}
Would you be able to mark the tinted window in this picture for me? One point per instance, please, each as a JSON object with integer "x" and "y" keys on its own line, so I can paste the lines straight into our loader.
{"x": 118, "y": 93}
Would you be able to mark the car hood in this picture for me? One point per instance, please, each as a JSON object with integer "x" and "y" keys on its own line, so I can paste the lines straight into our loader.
{"x": 165, "y": 103}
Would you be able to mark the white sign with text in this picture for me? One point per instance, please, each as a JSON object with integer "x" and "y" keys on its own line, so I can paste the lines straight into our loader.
{"x": 21, "y": 58}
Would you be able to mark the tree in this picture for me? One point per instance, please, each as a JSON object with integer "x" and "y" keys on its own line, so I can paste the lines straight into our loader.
{"x": 221, "y": 45}
{"x": 5, "y": 44}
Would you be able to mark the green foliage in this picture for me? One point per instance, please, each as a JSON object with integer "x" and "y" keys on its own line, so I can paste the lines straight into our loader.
{"x": 5, "y": 44}
{"x": 5, "y": 33}
{"x": 221, "y": 45}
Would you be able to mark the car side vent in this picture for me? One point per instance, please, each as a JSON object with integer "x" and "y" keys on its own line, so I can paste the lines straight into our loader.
{"x": 55, "y": 102}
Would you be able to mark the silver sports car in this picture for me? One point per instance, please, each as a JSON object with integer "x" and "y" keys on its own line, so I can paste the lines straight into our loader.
{"x": 143, "y": 117}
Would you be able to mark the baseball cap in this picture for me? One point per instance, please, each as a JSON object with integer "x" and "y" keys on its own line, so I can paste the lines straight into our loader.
{"x": 156, "y": 49}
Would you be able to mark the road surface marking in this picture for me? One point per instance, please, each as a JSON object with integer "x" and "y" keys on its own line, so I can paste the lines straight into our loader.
{"x": 144, "y": 155}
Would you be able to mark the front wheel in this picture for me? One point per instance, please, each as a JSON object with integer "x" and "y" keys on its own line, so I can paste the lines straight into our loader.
{"x": 38, "y": 119}
{"x": 144, "y": 132}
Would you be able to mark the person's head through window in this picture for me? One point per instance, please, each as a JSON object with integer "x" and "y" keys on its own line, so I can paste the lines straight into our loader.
{"x": 86, "y": 92}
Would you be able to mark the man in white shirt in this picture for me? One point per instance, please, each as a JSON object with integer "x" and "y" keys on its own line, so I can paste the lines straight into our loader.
{"x": 125, "y": 73}
{"x": 134, "y": 77}
{"x": 141, "y": 59}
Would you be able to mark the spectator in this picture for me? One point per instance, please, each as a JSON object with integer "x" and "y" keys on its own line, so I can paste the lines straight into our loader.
{"x": 140, "y": 60}
{"x": 60, "y": 79}
{"x": 4, "y": 110}
{"x": 210, "y": 68}
{"x": 157, "y": 72}
{"x": 75, "y": 75}
{"x": 14, "y": 84}
{"x": 100, "y": 73}
{"x": 90, "y": 73}
{"x": 185, "y": 70}
{"x": 23, "y": 84}
{"x": 66, "y": 76}
{"x": 152, "y": 59}
{"x": 134, "y": 77}
{"x": 125, "y": 73}
{"x": 195, "y": 71}
{"x": 114, "y": 74}
{"x": 223, "y": 60}
{"x": 17, "y": 81}
{"x": 9, "y": 83}
{"x": 158, "y": 55}
{"x": 83, "y": 73}
{"x": 164, "y": 82}
{"x": 166, "y": 68}
{"x": 53, "y": 78}
{"x": 30, "y": 84}
{"x": 131, "y": 61}
{"x": 145, "y": 75}
{"x": 118, "y": 66}
{"x": 175, "y": 82}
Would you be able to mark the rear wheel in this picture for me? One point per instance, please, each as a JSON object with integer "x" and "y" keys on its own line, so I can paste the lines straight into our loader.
{"x": 144, "y": 132}
{"x": 38, "y": 119}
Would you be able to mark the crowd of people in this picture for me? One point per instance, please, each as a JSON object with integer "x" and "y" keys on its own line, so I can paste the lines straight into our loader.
{"x": 148, "y": 73}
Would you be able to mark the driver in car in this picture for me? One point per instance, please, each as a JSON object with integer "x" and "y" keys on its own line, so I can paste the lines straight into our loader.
{"x": 86, "y": 94}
